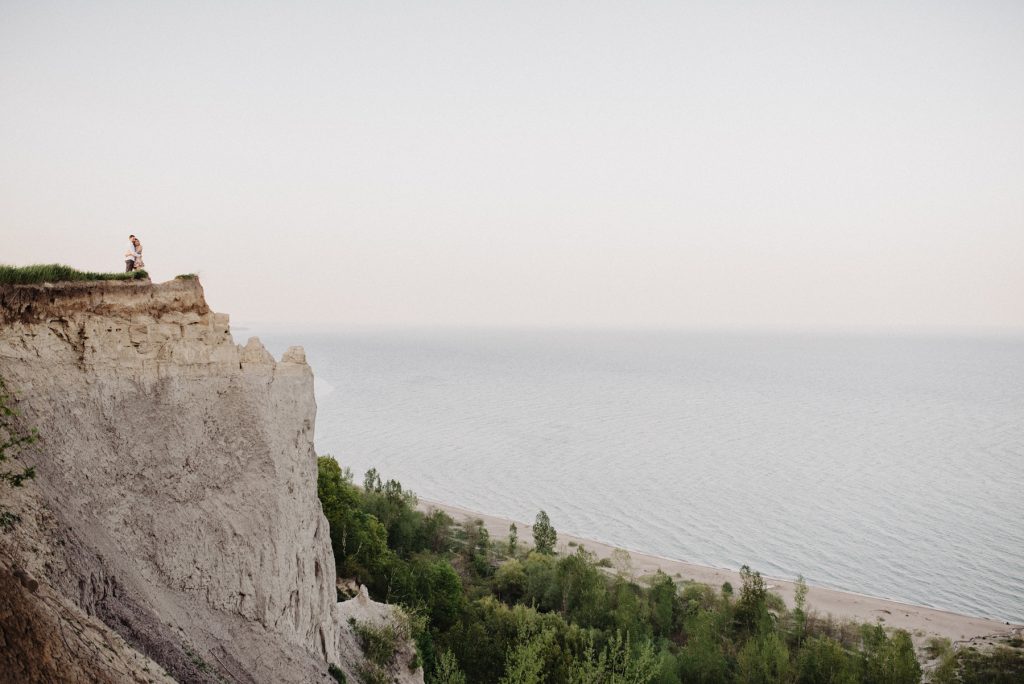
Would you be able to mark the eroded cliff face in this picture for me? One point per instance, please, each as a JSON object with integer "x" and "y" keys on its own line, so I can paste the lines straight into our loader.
{"x": 176, "y": 492}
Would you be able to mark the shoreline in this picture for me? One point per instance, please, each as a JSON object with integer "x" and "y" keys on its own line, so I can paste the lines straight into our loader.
{"x": 920, "y": 621}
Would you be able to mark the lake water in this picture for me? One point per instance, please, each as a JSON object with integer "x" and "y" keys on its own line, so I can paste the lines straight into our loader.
{"x": 887, "y": 466}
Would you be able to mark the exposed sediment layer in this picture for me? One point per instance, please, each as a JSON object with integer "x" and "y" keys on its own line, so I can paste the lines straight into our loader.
{"x": 176, "y": 492}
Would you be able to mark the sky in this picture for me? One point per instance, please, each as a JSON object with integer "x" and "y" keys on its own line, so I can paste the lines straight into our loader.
{"x": 714, "y": 165}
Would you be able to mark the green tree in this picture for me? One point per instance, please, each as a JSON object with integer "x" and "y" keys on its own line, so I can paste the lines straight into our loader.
{"x": 822, "y": 660}
{"x": 752, "y": 609}
{"x": 510, "y": 581}
{"x": 583, "y": 589}
{"x": 702, "y": 660}
{"x": 764, "y": 659}
{"x": 358, "y": 539}
{"x": 544, "y": 535}
{"x": 12, "y": 439}
{"x": 525, "y": 663}
{"x": 663, "y": 604}
{"x": 448, "y": 671}
{"x": 513, "y": 539}
{"x": 426, "y": 583}
{"x": 631, "y": 614}
{"x": 371, "y": 481}
{"x": 888, "y": 660}
{"x": 800, "y": 611}
{"x": 619, "y": 662}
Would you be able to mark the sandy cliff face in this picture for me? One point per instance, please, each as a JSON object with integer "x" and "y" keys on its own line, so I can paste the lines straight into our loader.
{"x": 176, "y": 491}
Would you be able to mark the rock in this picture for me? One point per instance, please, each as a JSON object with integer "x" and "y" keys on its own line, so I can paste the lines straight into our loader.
{"x": 178, "y": 474}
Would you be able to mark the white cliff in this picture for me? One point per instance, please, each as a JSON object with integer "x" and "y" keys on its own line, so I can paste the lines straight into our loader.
{"x": 176, "y": 492}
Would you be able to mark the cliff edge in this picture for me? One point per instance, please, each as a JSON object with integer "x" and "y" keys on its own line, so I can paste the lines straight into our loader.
{"x": 175, "y": 501}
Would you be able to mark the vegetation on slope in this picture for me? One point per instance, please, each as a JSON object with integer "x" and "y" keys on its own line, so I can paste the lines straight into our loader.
{"x": 496, "y": 611}
{"x": 58, "y": 273}
{"x": 13, "y": 437}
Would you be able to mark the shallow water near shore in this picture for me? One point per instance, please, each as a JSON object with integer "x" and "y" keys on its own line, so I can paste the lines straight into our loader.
{"x": 889, "y": 466}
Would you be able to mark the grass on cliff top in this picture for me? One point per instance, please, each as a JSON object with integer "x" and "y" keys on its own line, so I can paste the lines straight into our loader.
{"x": 58, "y": 273}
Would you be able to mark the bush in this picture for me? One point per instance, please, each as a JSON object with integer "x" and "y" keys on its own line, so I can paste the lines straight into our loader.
{"x": 59, "y": 273}
{"x": 764, "y": 660}
{"x": 12, "y": 438}
{"x": 824, "y": 661}
{"x": 379, "y": 642}
{"x": 1001, "y": 666}
{"x": 336, "y": 672}
{"x": 888, "y": 661}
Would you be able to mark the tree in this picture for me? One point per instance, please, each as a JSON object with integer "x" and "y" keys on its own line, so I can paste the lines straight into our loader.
{"x": 448, "y": 671}
{"x": 799, "y": 613}
{"x": 619, "y": 662}
{"x": 583, "y": 589}
{"x": 12, "y": 438}
{"x": 764, "y": 660}
{"x": 663, "y": 604}
{"x": 752, "y": 608}
{"x": 525, "y": 663}
{"x": 888, "y": 661}
{"x": 510, "y": 581}
{"x": 513, "y": 539}
{"x": 544, "y": 535}
{"x": 359, "y": 541}
{"x": 371, "y": 481}
{"x": 824, "y": 661}
{"x": 702, "y": 660}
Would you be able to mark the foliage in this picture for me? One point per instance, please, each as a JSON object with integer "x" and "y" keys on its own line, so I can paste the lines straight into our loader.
{"x": 379, "y": 642}
{"x": 544, "y": 535}
{"x": 59, "y": 273}
{"x": 752, "y": 608}
{"x": 524, "y": 664}
{"x": 448, "y": 671}
{"x": 703, "y": 660}
{"x": 336, "y": 673}
{"x": 486, "y": 613}
{"x": 824, "y": 661}
{"x": 764, "y": 660}
{"x": 1000, "y": 666}
{"x": 619, "y": 662}
{"x": 193, "y": 276}
{"x": 800, "y": 611}
{"x": 13, "y": 438}
{"x": 888, "y": 660}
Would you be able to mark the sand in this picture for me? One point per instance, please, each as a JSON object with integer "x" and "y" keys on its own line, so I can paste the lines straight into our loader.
{"x": 920, "y": 621}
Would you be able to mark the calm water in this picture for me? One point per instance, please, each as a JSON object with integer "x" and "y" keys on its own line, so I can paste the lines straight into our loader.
{"x": 888, "y": 466}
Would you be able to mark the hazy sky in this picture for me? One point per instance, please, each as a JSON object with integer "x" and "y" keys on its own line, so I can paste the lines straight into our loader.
{"x": 657, "y": 164}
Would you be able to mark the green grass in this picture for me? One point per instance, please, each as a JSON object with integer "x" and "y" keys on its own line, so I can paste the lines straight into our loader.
{"x": 58, "y": 273}
{"x": 379, "y": 643}
{"x": 186, "y": 276}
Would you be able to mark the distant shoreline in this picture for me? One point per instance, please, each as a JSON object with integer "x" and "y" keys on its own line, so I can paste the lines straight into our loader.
{"x": 920, "y": 621}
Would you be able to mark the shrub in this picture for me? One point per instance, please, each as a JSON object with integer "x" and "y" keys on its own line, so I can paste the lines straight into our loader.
{"x": 824, "y": 661}
{"x": 336, "y": 672}
{"x": 448, "y": 671}
{"x": 379, "y": 642}
{"x": 1001, "y": 666}
{"x": 12, "y": 438}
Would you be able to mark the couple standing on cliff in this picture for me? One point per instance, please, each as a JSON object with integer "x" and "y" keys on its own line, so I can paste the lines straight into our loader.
{"x": 133, "y": 257}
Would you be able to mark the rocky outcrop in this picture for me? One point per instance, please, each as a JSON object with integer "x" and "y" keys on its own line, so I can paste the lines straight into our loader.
{"x": 175, "y": 500}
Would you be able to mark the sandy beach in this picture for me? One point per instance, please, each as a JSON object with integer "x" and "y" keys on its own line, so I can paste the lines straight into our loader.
{"x": 920, "y": 621}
